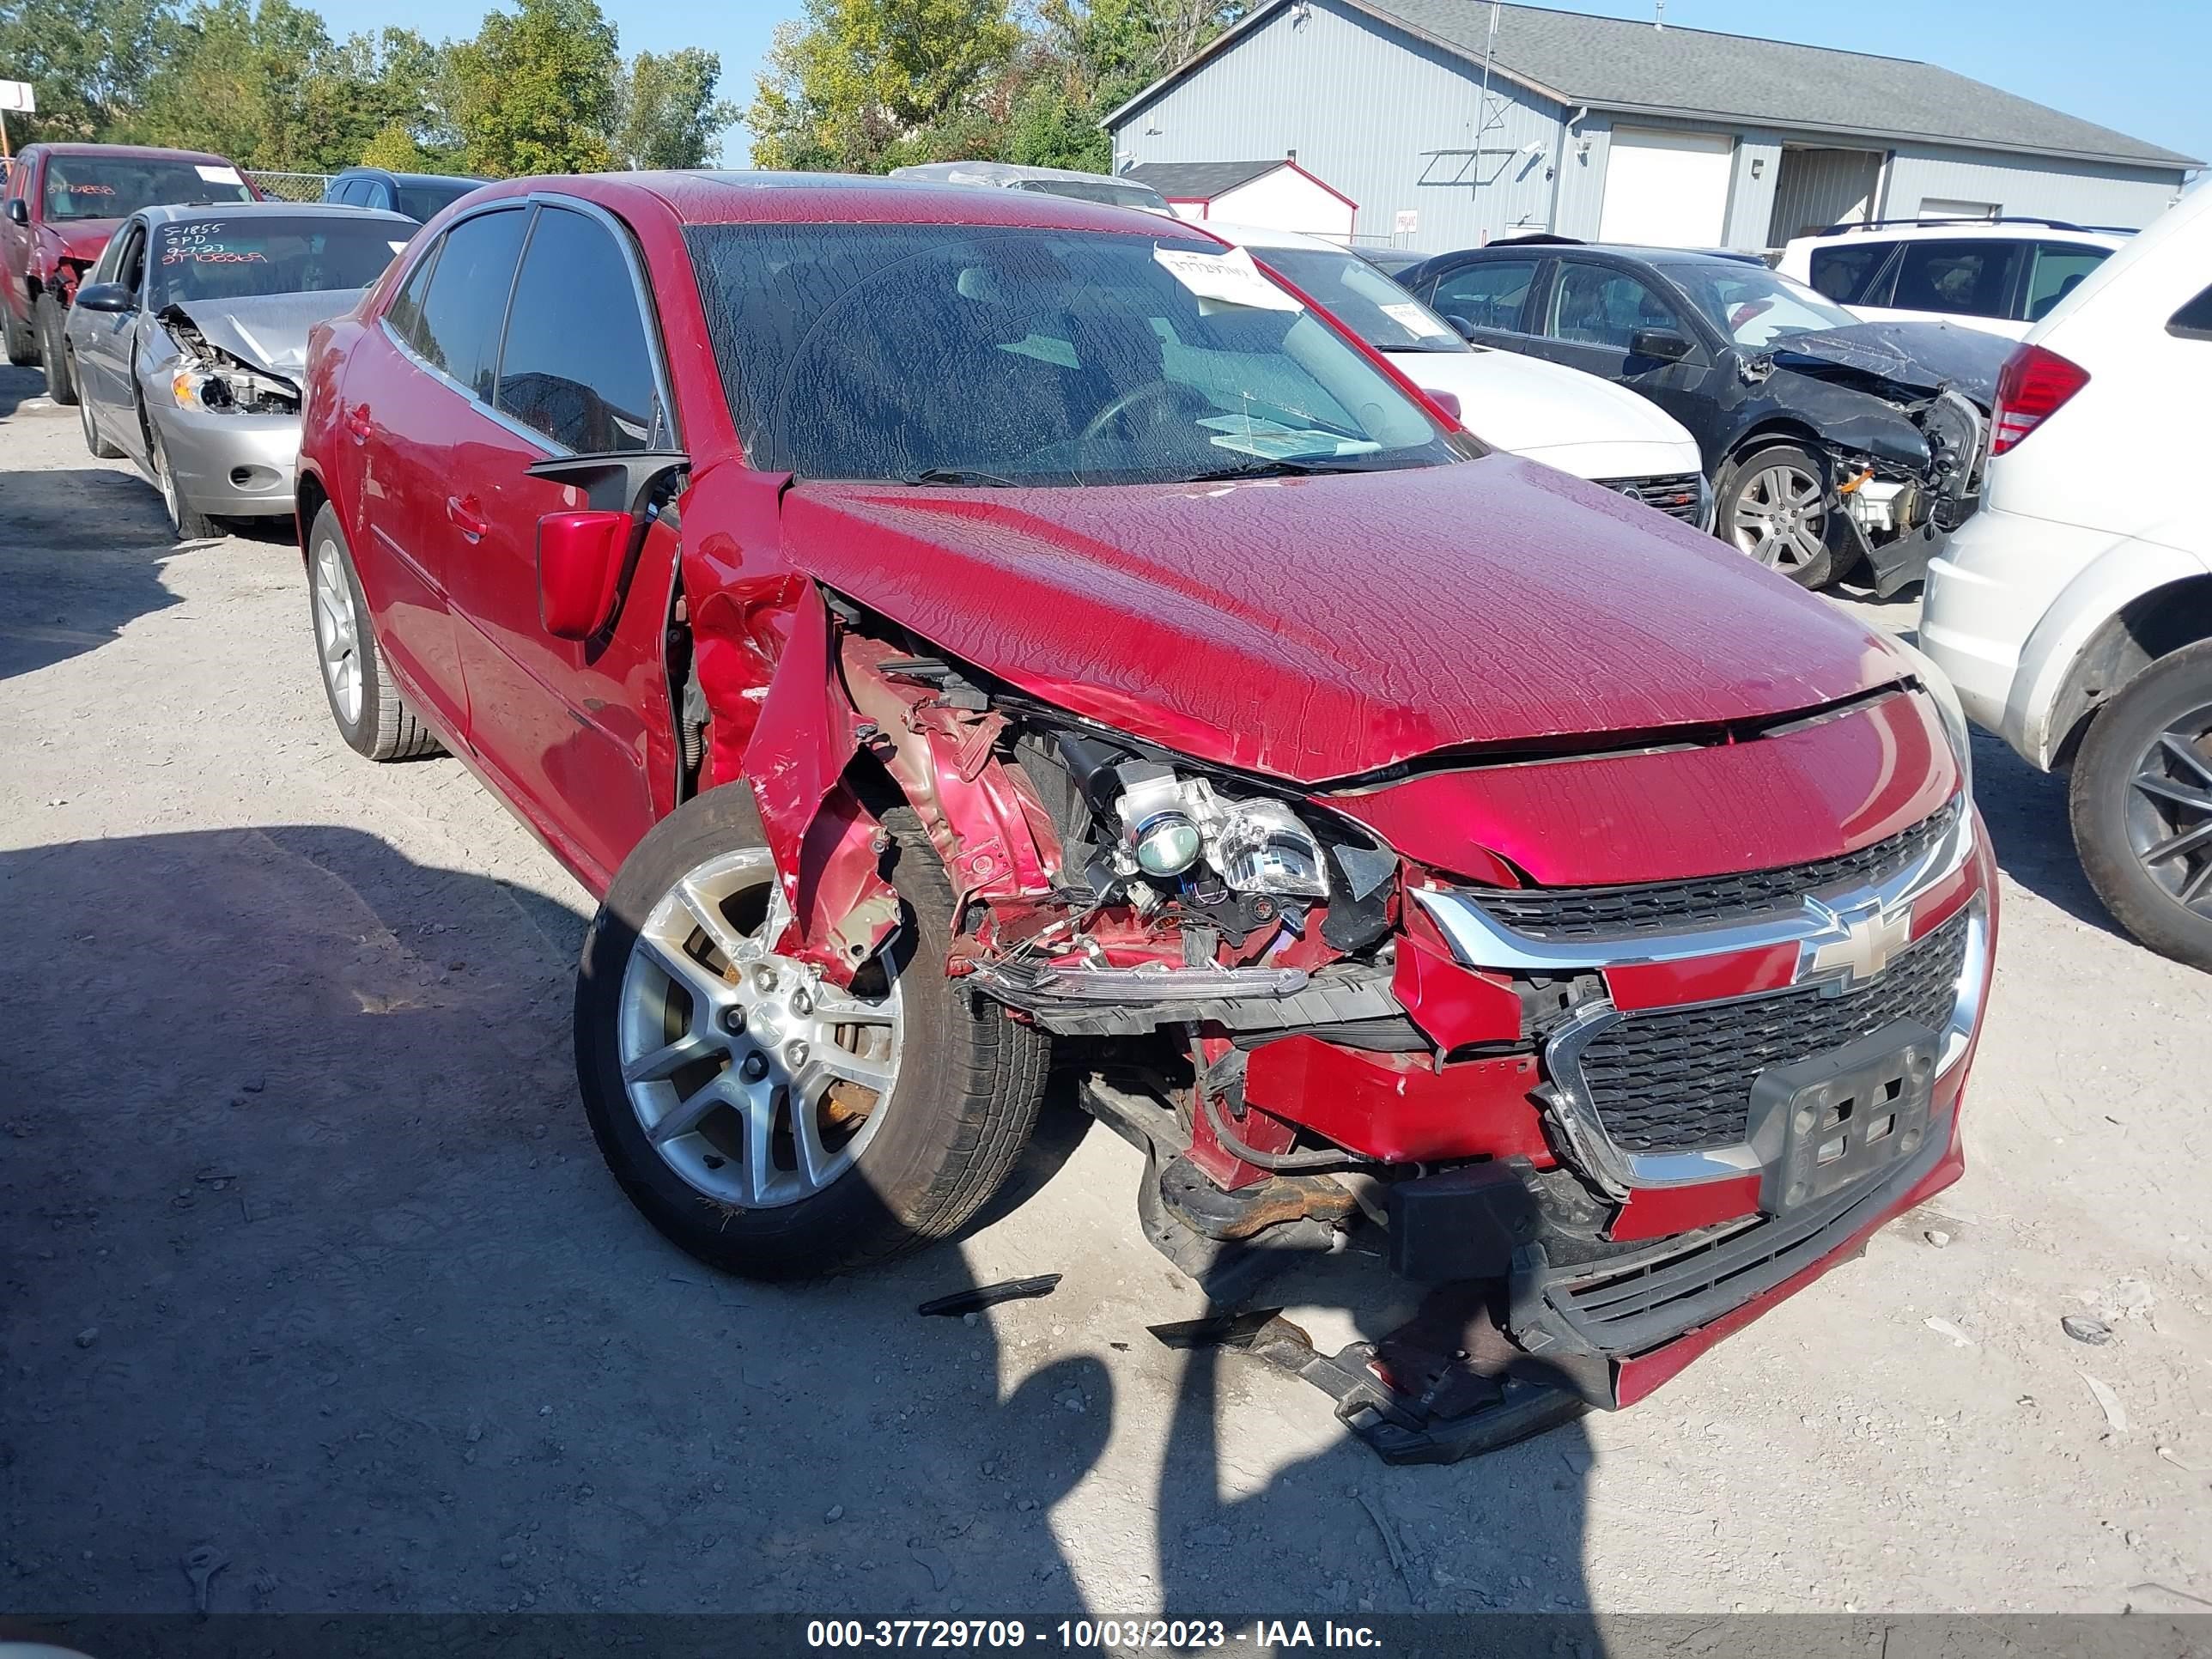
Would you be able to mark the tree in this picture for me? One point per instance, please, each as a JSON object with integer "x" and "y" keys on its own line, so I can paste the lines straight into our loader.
{"x": 857, "y": 83}
{"x": 89, "y": 60}
{"x": 235, "y": 78}
{"x": 534, "y": 91}
{"x": 666, "y": 113}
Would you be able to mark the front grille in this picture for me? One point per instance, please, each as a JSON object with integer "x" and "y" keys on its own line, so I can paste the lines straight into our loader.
{"x": 1669, "y": 907}
{"x": 1630, "y": 1305}
{"x": 1680, "y": 1079}
{"x": 1677, "y": 495}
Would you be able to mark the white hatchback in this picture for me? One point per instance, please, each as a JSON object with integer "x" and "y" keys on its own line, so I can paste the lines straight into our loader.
{"x": 1546, "y": 411}
{"x": 2074, "y": 610}
{"x": 2003, "y": 276}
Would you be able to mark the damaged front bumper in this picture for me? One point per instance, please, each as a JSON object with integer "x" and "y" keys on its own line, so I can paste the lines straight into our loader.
{"x": 231, "y": 465}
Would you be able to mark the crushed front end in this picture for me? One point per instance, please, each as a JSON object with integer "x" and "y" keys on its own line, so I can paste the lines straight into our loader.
{"x": 1617, "y": 1045}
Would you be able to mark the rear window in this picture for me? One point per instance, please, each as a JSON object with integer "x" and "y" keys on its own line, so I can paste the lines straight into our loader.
{"x": 114, "y": 187}
{"x": 424, "y": 201}
{"x": 1965, "y": 279}
{"x": 1841, "y": 273}
{"x": 1485, "y": 295}
{"x": 976, "y": 355}
{"x": 2194, "y": 320}
{"x": 235, "y": 258}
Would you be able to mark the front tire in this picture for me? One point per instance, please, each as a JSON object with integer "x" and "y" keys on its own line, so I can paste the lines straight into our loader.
{"x": 1771, "y": 506}
{"x": 764, "y": 1122}
{"x": 101, "y": 449}
{"x": 364, "y": 703}
{"x": 54, "y": 350}
{"x": 2141, "y": 799}
{"x": 188, "y": 522}
{"x": 22, "y": 339}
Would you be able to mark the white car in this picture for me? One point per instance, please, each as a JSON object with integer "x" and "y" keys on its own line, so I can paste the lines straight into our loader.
{"x": 1546, "y": 411}
{"x": 1051, "y": 181}
{"x": 2000, "y": 275}
{"x": 2074, "y": 610}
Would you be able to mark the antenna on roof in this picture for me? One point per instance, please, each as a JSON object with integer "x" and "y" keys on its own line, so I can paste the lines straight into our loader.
{"x": 1658, "y": 14}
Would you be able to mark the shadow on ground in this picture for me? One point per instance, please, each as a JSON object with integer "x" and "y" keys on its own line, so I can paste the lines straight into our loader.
{"x": 310, "y": 1261}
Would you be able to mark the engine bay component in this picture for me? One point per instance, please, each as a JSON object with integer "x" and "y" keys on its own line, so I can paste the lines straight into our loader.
{"x": 214, "y": 382}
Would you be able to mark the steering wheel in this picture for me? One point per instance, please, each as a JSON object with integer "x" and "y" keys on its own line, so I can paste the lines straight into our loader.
{"x": 1151, "y": 392}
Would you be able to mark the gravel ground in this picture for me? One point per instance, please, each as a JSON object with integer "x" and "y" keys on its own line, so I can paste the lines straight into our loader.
{"x": 308, "y": 1260}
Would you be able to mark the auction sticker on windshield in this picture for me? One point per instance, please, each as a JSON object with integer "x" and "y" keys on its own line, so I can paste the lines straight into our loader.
{"x": 219, "y": 175}
{"x": 1417, "y": 318}
{"x": 1229, "y": 278}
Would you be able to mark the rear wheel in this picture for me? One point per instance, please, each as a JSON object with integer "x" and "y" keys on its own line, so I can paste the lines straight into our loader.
{"x": 54, "y": 350}
{"x": 2142, "y": 804}
{"x": 1772, "y": 507}
{"x": 764, "y": 1120}
{"x": 370, "y": 714}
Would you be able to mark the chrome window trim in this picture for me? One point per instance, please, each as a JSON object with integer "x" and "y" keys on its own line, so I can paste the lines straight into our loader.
{"x": 1618, "y": 1172}
{"x": 1479, "y": 940}
{"x": 647, "y": 314}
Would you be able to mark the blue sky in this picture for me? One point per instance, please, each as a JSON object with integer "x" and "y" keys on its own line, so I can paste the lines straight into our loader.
{"x": 2137, "y": 66}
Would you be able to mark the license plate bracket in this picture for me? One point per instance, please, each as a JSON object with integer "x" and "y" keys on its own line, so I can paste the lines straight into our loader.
{"x": 1842, "y": 1116}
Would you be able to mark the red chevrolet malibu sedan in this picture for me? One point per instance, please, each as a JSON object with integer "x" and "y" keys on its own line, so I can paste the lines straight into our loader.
{"x": 961, "y": 635}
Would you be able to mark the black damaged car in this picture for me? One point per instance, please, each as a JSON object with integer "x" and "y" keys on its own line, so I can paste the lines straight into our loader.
{"x": 1831, "y": 444}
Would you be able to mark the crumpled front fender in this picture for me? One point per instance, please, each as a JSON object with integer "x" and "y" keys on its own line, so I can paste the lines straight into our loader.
{"x": 828, "y": 845}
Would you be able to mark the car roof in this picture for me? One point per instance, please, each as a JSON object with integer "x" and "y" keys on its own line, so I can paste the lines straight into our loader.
{"x": 1955, "y": 229}
{"x": 1650, "y": 256}
{"x": 469, "y": 180}
{"x": 1261, "y": 236}
{"x": 184, "y": 213}
{"x": 724, "y": 198}
{"x": 137, "y": 152}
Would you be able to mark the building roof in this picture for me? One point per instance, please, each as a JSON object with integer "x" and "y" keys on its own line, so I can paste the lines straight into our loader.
{"x": 1199, "y": 181}
{"x": 1614, "y": 64}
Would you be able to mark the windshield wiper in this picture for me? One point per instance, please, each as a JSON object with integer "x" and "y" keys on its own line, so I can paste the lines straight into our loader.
{"x": 956, "y": 475}
{"x": 1280, "y": 467}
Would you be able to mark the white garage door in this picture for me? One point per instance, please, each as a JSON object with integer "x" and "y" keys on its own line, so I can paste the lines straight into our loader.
{"x": 1667, "y": 189}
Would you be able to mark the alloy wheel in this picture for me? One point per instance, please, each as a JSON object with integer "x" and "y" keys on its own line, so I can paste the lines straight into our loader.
{"x": 1779, "y": 518}
{"x": 84, "y": 419}
{"x": 337, "y": 631}
{"x": 756, "y": 1081}
{"x": 166, "y": 482}
{"x": 2170, "y": 810}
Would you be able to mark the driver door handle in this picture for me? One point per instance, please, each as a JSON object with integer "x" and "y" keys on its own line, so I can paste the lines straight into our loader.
{"x": 466, "y": 517}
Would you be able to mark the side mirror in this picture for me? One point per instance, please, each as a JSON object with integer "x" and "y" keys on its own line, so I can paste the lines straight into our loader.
{"x": 1664, "y": 343}
{"x": 104, "y": 297}
{"x": 19, "y": 210}
{"x": 1466, "y": 330}
{"x": 1447, "y": 401}
{"x": 580, "y": 562}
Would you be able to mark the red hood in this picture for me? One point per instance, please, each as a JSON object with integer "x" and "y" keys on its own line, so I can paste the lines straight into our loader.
{"x": 1314, "y": 629}
{"x": 81, "y": 239}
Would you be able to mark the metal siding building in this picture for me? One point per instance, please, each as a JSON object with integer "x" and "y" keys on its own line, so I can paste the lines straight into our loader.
{"x": 1385, "y": 101}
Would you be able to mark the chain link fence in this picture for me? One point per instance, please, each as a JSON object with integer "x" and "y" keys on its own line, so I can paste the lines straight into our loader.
{"x": 291, "y": 187}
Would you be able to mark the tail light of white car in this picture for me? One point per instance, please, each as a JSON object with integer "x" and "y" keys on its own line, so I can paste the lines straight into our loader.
{"x": 2033, "y": 386}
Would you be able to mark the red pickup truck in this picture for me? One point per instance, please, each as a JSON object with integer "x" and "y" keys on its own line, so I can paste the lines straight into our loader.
{"x": 63, "y": 203}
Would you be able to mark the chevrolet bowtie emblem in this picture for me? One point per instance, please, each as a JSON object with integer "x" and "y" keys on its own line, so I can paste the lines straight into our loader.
{"x": 1854, "y": 945}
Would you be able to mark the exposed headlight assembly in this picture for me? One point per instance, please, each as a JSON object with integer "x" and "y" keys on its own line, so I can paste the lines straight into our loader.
{"x": 1169, "y": 823}
{"x": 232, "y": 391}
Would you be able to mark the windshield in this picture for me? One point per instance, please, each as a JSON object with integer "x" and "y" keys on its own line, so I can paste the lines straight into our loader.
{"x": 1112, "y": 195}
{"x": 423, "y": 202}
{"x": 116, "y": 187}
{"x": 1364, "y": 300}
{"x": 235, "y": 259}
{"x": 1756, "y": 306}
{"x": 949, "y": 354}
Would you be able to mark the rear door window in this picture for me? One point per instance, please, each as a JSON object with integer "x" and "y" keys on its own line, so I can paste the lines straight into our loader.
{"x": 2059, "y": 269}
{"x": 1965, "y": 279}
{"x": 1487, "y": 294}
{"x": 1594, "y": 305}
{"x": 577, "y": 365}
{"x": 466, "y": 301}
{"x": 1843, "y": 273}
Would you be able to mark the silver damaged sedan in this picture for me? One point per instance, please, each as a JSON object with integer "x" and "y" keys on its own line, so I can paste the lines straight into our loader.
{"x": 189, "y": 339}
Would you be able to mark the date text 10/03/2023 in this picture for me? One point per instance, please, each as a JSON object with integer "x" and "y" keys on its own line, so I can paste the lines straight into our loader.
{"x": 1084, "y": 1634}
